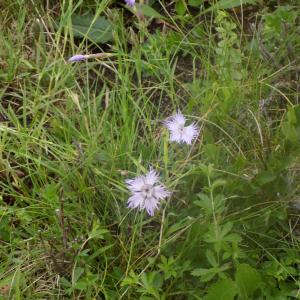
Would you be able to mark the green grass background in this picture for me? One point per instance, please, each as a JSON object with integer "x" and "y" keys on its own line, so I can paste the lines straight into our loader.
{"x": 70, "y": 134}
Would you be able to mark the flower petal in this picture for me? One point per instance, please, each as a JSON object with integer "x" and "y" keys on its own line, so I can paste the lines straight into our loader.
{"x": 146, "y": 192}
{"x": 135, "y": 201}
{"x": 151, "y": 204}
{"x": 136, "y": 184}
{"x": 151, "y": 177}
{"x": 189, "y": 133}
{"x": 176, "y": 136}
{"x": 160, "y": 192}
{"x": 179, "y": 118}
{"x": 175, "y": 122}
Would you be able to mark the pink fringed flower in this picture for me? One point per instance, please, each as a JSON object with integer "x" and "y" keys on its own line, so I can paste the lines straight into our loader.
{"x": 146, "y": 192}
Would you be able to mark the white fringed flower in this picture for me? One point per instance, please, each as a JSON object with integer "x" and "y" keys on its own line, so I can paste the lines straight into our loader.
{"x": 178, "y": 132}
{"x": 146, "y": 192}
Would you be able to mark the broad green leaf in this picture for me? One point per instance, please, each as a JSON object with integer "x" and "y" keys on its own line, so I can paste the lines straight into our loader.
{"x": 226, "y": 228}
{"x": 77, "y": 273}
{"x": 145, "y": 298}
{"x": 265, "y": 177}
{"x": 290, "y": 132}
{"x": 222, "y": 290}
{"x": 157, "y": 281}
{"x": 204, "y": 197}
{"x": 151, "y": 283}
{"x": 97, "y": 30}
{"x": 148, "y": 11}
{"x": 195, "y": 3}
{"x": 291, "y": 128}
{"x": 227, "y": 4}
{"x": 247, "y": 279}
{"x": 180, "y": 7}
{"x": 291, "y": 116}
{"x": 204, "y": 202}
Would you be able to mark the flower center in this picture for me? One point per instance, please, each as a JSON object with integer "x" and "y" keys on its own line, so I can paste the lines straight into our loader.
{"x": 180, "y": 128}
{"x": 146, "y": 191}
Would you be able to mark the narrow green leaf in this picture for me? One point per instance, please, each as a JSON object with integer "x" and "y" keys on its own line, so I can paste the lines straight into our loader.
{"x": 211, "y": 258}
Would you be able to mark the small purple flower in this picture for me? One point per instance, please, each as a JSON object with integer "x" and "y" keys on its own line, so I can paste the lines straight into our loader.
{"x": 77, "y": 57}
{"x": 130, "y": 2}
{"x": 146, "y": 192}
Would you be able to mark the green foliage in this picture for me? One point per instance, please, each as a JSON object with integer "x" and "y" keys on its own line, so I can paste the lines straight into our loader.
{"x": 279, "y": 32}
{"x": 229, "y": 55}
{"x": 71, "y": 134}
{"x": 275, "y": 21}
